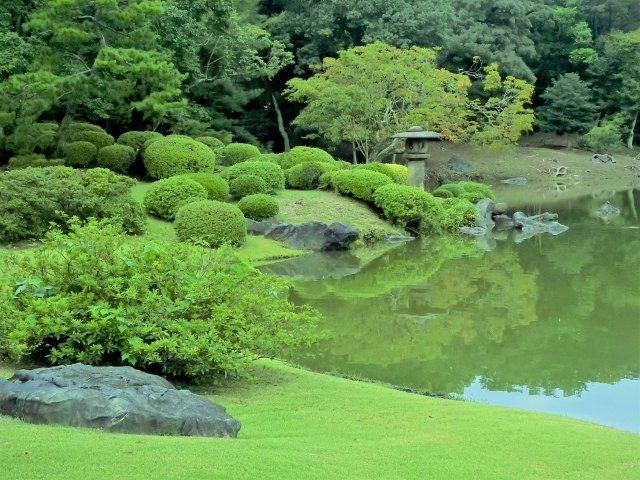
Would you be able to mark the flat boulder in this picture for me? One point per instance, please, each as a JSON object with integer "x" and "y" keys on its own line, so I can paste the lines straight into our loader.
{"x": 316, "y": 236}
{"x": 603, "y": 158}
{"x": 115, "y": 399}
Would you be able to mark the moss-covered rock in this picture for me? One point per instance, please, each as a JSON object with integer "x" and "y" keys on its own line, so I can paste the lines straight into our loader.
{"x": 211, "y": 222}
{"x": 176, "y": 155}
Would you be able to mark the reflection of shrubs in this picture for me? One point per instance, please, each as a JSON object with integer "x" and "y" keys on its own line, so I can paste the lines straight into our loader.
{"x": 456, "y": 213}
{"x": 306, "y": 176}
{"x": 238, "y": 152}
{"x": 359, "y": 183}
{"x": 244, "y": 185}
{"x": 258, "y": 207}
{"x": 397, "y": 173}
{"x": 118, "y": 158}
{"x": 271, "y": 173}
{"x": 175, "y": 155}
{"x": 171, "y": 309}
{"x": 407, "y": 206}
{"x": 136, "y": 140}
{"x": 299, "y": 155}
{"x": 33, "y": 160}
{"x": 164, "y": 196}
{"x": 80, "y": 154}
{"x": 217, "y": 188}
{"x": 211, "y": 222}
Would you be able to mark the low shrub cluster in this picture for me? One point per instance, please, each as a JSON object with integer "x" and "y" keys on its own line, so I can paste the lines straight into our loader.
{"x": 472, "y": 191}
{"x": 259, "y": 206}
{"x": 165, "y": 196}
{"x": 299, "y": 155}
{"x": 271, "y": 173}
{"x": 33, "y": 160}
{"x": 244, "y": 185}
{"x": 306, "y": 176}
{"x": 211, "y": 223}
{"x": 99, "y": 139}
{"x": 176, "y": 154}
{"x": 33, "y": 198}
{"x": 238, "y": 152}
{"x": 408, "y": 206}
{"x": 118, "y": 158}
{"x": 172, "y": 309}
{"x": 136, "y": 139}
{"x": 217, "y": 188}
{"x": 359, "y": 183}
{"x": 80, "y": 154}
{"x": 456, "y": 213}
{"x": 397, "y": 173}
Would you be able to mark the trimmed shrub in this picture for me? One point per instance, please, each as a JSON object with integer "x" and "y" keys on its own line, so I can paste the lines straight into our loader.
{"x": 406, "y": 205}
{"x": 246, "y": 185}
{"x": 266, "y": 157}
{"x": 453, "y": 189}
{"x": 299, "y": 155}
{"x": 79, "y": 154}
{"x": 398, "y": 175}
{"x": 359, "y": 183}
{"x": 167, "y": 308}
{"x": 164, "y": 196}
{"x": 217, "y": 188}
{"x": 479, "y": 188}
{"x": 271, "y": 173}
{"x": 137, "y": 139}
{"x": 99, "y": 139}
{"x": 175, "y": 155}
{"x": 306, "y": 176}
{"x": 28, "y": 138}
{"x": 210, "y": 222}
{"x": 456, "y": 213}
{"x": 325, "y": 182}
{"x": 33, "y": 160}
{"x": 118, "y": 158}
{"x": 342, "y": 165}
{"x": 74, "y": 127}
{"x": 443, "y": 193}
{"x": 259, "y": 206}
{"x": 146, "y": 144}
{"x": 213, "y": 143}
{"x": 238, "y": 152}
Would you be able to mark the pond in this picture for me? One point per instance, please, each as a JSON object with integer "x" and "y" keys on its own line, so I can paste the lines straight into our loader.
{"x": 549, "y": 324}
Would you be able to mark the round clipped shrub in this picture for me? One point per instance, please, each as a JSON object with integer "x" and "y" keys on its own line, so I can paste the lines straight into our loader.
{"x": 33, "y": 160}
{"x": 406, "y": 205}
{"x": 266, "y": 157}
{"x": 244, "y": 185}
{"x": 118, "y": 158}
{"x": 306, "y": 176}
{"x": 175, "y": 155}
{"x": 136, "y": 139}
{"x": 359, "y": 183}
{"x": 217, "y": 187}
{"x": 238, "y": 152}
{"x": 211, "y": 222}
{"x": 79, "y": 154}
{"x": 481, "y": 189}
{"x": 299, "y": 155}
{"x": 99, "y": 139}
{"x": 271, "y": 173}
{"x": 164, "y": 196}
{"x": 325, "y": 182}
{"x": 397, "y": 173}
{"x": 213, "y": 143}
{"x": 259, "y": 206}
{"x": 443, "y": 193}
{"x": 454, "y": 189}
{"x": 456, "y": 213}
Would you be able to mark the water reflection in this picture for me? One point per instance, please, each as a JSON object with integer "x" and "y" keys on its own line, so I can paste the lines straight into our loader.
{"x": 551, "y": 317}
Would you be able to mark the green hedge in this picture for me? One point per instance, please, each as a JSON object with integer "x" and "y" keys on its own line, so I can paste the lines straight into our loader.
{"x": 306, "y": 176}
{"x": 33, "y": 160}
{"x": 217, "y": 188}
{"x": 244, "y": 185}
{"x": 165, "y": 196}
{"x": 398, "y": 173}
{"x": 118, "y": 158}
{"x": 79, "y": 154}
{"x": 175, "y": 155}
{"x": 298, "y": 155}
{"x": 211, "y": 222}
{"x": 408, "y": 206}
{"x": 238, "y": 152}
{"x": 136, "y": 139}
{"x": 259, "y": 206}
{"x": 271, "y": 173}
{"x": 359, "y": 183}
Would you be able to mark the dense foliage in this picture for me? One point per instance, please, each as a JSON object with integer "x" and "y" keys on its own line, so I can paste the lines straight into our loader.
{"x": 259, "y": 206}
{"x": 176, "y": 310}
{"x": 271, "y": 173}
{"x": 175, "y": 155}
{"x": 165, "y": 196}
{"x": 211, "y": 223}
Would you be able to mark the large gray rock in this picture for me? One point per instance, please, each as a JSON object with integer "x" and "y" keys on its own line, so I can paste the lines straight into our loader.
{"x": 603, "y": 158}
{"x": 458, "y": 164}
{"x": 543, "y": 223}
{"x": 316, "y": 236}
{"x": 484, "y": 213}
{"x": 116, "y": 399}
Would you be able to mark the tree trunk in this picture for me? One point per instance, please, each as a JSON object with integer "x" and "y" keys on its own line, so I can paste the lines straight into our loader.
{"x": 281, "y": 129}
{"x": 354, "y": 154}
{"x": 632, "y": 130}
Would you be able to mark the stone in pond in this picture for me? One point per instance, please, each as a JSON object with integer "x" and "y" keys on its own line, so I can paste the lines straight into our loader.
{"x": 116, "y": 399}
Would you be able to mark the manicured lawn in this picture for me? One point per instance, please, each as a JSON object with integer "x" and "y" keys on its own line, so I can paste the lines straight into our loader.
{"x": 302, "y": 425}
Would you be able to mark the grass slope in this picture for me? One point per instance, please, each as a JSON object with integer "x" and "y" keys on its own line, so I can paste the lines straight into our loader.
{"x": 302, "y": 425}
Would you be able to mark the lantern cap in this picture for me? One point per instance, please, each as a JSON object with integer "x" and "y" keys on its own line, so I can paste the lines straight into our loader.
{"x": 417, "y": 132}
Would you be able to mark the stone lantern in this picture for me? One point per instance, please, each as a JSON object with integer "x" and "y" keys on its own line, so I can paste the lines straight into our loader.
{"x": 415, "y": 152}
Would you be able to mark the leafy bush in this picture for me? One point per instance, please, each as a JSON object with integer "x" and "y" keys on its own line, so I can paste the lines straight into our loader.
{"x": 217, "y": 188}
{"x": 456, "y": 213}
{"x": 35, "y": 197}
{"x": 266, "y": 157}
{"x": 449, "y": 190}
{"x": 359, "y": 183}
{"x": 299, "y": 155}
{"x": 33, "y": 160}
{"x": 271, "y": 173}
{"x": 175, "y": 155}
{"x": 99, "y": 139}
{"x": 407, "y": 206}
{"x": 325, "y": 181}
{"x": 171, "y": 309}
{"x": 397, "y": 173}
{"x": 244, "y": 185}
{"x": 443, "y": 193}
{"x": 306, "y": 176}
{"x": 210, "y": 222}
{"x": 136, "y": 139}
{"x": 238, "y": 152}
{"x": 472, "y": 191}
{"x": 28, "y": 138}
{"x": 118, "y": 158}
{"x": 164, "y": 196}
{"x": 79, "y": 154}
{"x": 213, "y": 143}
{"x": 606, "y": 137}
{"x": 259, "y": 206}
{"x": 479, "y": 188}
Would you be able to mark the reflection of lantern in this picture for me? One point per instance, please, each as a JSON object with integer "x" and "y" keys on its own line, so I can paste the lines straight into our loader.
{"x": 416, "y": 146}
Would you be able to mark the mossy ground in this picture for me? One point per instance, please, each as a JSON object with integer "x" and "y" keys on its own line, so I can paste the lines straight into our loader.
{"x": 303, "y": 425}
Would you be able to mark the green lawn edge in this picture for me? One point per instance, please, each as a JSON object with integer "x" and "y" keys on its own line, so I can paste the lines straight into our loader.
{"x": 303, "y": 425}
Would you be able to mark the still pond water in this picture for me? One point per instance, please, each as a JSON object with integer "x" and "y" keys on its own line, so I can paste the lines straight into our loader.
{"x": 549, "y": 324}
